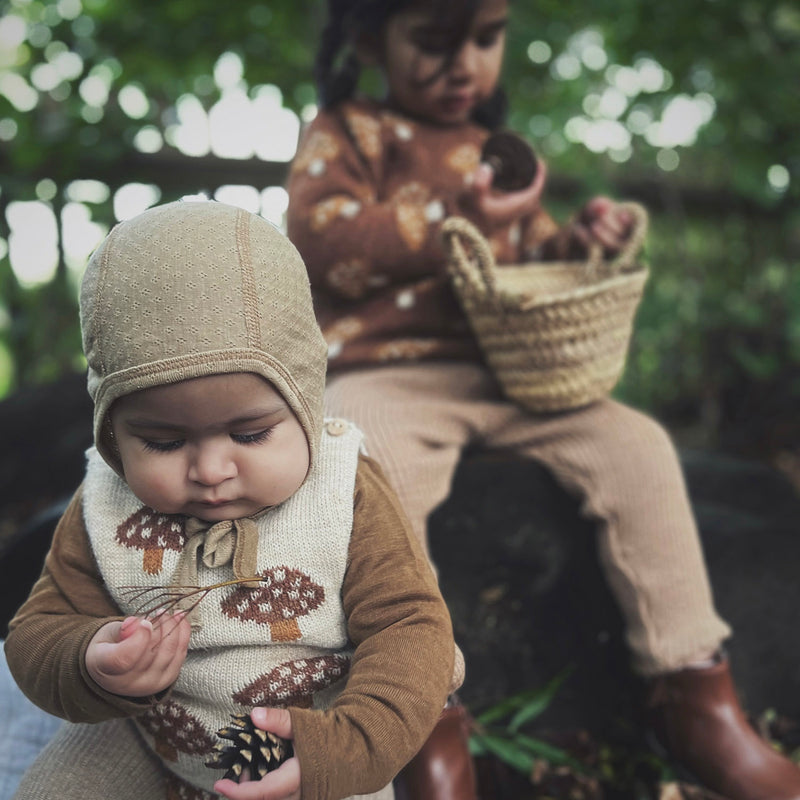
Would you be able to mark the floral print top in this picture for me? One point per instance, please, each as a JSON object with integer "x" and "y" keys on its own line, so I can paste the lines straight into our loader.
{"x": 368, "y": 191}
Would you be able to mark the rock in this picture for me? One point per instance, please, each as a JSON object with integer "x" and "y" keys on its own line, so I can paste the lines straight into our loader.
{"x": 518, "y": 569}
{"x": 21, "y": 560}
{"x": 748, "y": 515}
{"x": 45, "y": 431}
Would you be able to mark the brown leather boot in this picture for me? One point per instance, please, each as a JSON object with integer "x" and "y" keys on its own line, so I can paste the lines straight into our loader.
{"x": 443, "y": 769}
{"x": 697, "y": 719}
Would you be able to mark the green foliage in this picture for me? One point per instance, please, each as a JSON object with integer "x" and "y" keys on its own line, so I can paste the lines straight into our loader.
{"x": 499, "y": 731}
{"x": 721, "y": 318}
{"x": 617, "y": 763}
{"x": 583, "y": 767}
{"x": 720, "y": 321}
{"x": 744, "y": 55}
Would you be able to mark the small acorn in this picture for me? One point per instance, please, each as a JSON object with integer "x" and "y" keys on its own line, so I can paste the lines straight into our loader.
{"x": 258, "y": 751}
{"x": 512, "y": 159}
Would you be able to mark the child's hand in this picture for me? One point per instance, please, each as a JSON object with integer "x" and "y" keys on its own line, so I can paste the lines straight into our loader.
{"x": 493, "y": 209}
{"x": 284, "y": 782}
{"x": 139, "y": 657}
{"x": 603, "y": 222}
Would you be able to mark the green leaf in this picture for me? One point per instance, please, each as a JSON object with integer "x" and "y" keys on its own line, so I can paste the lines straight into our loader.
{"x": 547, "y": 751}
{"x": 507, "y": 706}
{"x": 538, "y": 703}
{"x": 527, "y": 704}
{"x": 508, "y": 752}
{"x": 476, "y": 746}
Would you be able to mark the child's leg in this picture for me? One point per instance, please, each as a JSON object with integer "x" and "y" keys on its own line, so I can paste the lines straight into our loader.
{"x": 624, "y": 468}
{"x": 86, "y": 761}
{"x": 413, "y": 428}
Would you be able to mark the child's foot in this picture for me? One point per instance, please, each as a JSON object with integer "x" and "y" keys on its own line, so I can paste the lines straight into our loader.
{"x": 696, "y": 717}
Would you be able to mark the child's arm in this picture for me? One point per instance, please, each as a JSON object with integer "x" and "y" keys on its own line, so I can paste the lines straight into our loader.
{"x": 50, "y": 634}
{"x": 402, "y": 668}
{"x": 360, "y": 230}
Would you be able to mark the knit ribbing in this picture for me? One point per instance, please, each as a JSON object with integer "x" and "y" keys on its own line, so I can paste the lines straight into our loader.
{"x": 618, "y": 462}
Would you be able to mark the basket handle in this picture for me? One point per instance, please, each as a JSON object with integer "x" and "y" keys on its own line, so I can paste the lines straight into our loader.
{"x": 625, "y": 260}
{"x": 478, "y": 272}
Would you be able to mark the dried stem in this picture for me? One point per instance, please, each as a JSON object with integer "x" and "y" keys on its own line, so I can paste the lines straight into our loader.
{"x": 155, "y": 600}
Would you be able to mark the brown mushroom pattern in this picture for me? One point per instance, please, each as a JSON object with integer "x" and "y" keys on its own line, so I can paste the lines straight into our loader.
{"x": 285, "y": 595}
{"x": 294, "y": 683}
{"x": 176, "y": 730}
{"x": 153, "y": 533}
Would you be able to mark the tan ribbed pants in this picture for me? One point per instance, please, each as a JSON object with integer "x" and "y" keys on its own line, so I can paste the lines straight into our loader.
{"x": 620, "y": 463}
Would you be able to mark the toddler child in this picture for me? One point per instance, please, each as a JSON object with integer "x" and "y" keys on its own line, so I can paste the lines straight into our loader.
{"x": 369, "y": 187}
{"x": 213, "y": 465}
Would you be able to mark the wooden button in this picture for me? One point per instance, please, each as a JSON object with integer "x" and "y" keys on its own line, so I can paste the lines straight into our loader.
{"x": 336, "y": 427}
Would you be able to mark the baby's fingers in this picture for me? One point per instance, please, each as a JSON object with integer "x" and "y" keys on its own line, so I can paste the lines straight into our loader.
{"x": 282, "y": 784}
{"x": 170, "y": 643}
{"x": 119, "y": 647}
{"x": 116, "y": 652}
{"x": 167, "y": 628}
{"x": 274, "y": 720}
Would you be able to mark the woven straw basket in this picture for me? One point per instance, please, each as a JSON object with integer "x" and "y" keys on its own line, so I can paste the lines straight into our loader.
{"x": 555, "y": 334}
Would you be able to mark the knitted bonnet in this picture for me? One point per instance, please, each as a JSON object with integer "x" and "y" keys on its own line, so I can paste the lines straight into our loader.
{"x": 191, "y": 289}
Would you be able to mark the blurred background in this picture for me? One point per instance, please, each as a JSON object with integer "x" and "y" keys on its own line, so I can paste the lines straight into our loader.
{"x": 690, "y": 106}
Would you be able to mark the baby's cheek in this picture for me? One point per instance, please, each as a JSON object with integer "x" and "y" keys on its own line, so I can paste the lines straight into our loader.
{"x": 279, "y": 483}
{"x": 154, "y": 489}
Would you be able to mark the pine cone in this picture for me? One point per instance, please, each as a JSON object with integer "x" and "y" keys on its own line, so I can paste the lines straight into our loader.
{"x": 512, "y": 159}
{"x": 258, "y": 751}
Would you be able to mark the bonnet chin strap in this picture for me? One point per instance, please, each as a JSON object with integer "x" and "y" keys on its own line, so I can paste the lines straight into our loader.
{"x": 232, "y": 542}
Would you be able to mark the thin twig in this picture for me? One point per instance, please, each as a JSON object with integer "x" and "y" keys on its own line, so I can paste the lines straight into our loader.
{"x": 157, "y": 600}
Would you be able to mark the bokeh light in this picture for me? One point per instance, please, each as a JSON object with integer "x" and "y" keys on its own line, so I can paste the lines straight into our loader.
{"x": 778, "y": 177}
{"x": 32, "y": 242}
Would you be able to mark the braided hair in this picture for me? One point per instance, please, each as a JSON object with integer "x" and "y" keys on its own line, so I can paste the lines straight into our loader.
{"x": 337, "y": 68}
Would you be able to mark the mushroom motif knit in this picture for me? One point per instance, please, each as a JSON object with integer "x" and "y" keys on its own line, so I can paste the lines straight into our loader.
{"x": 281, "y": 643}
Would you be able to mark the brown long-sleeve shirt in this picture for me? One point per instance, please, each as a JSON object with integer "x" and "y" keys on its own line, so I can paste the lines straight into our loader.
{"x": 396, "y": 618}
{"x": 368, "y": 191}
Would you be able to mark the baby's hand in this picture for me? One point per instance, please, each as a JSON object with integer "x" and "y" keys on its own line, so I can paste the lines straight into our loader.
{"x": 603, "y": 222}
{"x": 284, "y": 782}
{"x": 493, "y": 209}
{"x": 139, "y": 657}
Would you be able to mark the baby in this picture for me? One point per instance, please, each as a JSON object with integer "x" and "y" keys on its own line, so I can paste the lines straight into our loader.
{"x": 214, "y": 470}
